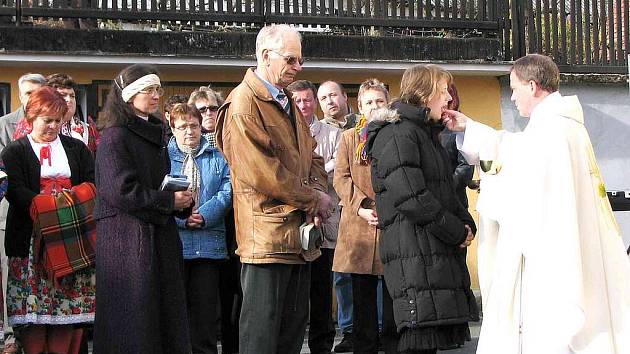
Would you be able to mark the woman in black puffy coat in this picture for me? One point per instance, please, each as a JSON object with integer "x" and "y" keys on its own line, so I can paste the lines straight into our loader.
{"x": 425, "y": 229}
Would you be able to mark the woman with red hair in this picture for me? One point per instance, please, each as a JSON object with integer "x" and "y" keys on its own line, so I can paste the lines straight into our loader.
{"x": 44, "y": 313}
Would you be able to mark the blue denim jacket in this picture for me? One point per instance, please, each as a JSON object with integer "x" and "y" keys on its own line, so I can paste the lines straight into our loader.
{"x": 216, "y": 198}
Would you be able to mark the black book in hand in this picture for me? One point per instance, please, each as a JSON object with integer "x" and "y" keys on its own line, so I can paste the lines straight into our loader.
{"x": 175, "y": 183}
{"x": 310, "y": 236}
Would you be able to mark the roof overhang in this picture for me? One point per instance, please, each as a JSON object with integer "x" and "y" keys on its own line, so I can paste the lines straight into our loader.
{"x": 89, "y": 60}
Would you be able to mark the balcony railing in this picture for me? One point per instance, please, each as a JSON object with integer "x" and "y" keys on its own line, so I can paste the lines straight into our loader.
{"x": 471, "y": 14}
{"x": 581, "y": 35}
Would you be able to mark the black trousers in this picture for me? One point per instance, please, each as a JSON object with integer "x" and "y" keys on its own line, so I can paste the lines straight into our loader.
{"x": 275, "y": 308}
{"x": 201, "y": 278}
{"x": 365, "y": 314}
{"x": 231, "y": 297}
{"x": 321, "y": 333}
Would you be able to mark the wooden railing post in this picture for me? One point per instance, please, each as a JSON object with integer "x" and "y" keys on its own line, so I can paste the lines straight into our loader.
{"x": 259, "y": 9}
{"x": 18, "y": 12}
{"x": 518, "y": 29}
{"x": 502, "y": 14}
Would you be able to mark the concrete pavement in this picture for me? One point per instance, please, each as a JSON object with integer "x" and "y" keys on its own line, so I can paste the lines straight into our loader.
{"x": 469, "y": 348}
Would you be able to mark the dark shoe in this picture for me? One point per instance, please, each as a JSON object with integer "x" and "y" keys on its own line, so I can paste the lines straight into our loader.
{"x": 450, "y": 347}
{"x": 379, "y": 346}
{"x": 345, "y": 346}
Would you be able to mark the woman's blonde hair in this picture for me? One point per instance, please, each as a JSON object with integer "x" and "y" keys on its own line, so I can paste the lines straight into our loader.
{"x": 419, "y": 83}
{"x": 372, "y": 84}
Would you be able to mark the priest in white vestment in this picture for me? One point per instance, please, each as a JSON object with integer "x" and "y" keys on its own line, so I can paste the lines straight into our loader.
{"x": 555, "y": 276}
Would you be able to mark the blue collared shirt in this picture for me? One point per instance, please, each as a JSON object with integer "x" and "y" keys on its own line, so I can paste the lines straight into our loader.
{"x": 274, "y": 91}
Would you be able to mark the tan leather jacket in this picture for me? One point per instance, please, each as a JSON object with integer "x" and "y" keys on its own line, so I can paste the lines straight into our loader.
{"x": 274, "y": 173}
{"x": 357, "y": 243}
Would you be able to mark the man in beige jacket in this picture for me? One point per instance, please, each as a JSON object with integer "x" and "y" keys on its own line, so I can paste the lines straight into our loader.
{"x": 278, "y": 183}
{"x": 321, "y": 333}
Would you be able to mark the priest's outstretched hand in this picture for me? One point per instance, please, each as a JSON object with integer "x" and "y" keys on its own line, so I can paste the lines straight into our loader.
{"x": 453, "y": 120}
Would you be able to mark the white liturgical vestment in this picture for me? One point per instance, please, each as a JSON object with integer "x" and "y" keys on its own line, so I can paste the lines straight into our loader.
{"x": 555, "y": 278}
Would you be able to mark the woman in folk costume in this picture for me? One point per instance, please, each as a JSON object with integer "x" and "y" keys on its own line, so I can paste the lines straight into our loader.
{"x": 556, "y": 277}
{"x": 203, "y": 232}
{"x": 42, "y": 312}
{"x": 425, "y": 229}
{"x": 356, "y": 252}
{"x": 141, "y": 304}
{"x": 72, "y": 124}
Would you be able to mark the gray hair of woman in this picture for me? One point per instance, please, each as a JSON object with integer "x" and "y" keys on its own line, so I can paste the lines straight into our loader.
{"x": 205, "y": 93}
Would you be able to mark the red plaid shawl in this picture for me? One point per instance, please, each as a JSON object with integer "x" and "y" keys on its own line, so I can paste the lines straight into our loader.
{"x": 65, "y": 231}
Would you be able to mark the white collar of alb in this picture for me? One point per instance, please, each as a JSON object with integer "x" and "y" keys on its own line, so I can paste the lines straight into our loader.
{"x": 133, "y": 88}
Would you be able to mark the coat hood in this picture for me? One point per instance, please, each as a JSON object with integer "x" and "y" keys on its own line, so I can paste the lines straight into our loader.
{"x": 381, "y": 118}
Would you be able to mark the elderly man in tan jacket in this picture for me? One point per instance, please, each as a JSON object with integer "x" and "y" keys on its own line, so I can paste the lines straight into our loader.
{"x": 278, "y": 183}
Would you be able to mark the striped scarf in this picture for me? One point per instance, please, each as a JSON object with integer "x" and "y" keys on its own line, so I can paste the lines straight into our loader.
{"x": 191, "y": 170}
{"x": 362, "y": 130}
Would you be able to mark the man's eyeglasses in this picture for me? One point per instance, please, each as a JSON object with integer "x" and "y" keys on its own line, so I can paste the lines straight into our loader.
{"x": 192, "y": 127}
{"x": 203, "y": 109}
{"x": 291, "y": 60}
{"x": 152, "y": 91}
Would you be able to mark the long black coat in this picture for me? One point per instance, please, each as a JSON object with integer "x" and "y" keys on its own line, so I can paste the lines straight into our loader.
{"x": 140, "y": 302}
{"x": 461, "y": 171}
{"x": 422, "y": 222}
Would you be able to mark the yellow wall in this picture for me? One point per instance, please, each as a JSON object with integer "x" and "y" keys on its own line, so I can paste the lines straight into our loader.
{"x": 480, "y": 99}
{"x": 479, "y": 96}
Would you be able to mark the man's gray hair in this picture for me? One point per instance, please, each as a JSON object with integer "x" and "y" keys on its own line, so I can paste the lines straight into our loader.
{"x": 272, "y": 38}
{"x": 32, "y": 78}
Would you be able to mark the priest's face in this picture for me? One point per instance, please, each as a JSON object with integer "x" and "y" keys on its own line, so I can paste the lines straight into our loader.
{"x": 523, "y": 95}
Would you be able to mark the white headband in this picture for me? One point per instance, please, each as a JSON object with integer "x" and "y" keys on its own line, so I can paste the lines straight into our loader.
{"x": 138, "y": 85}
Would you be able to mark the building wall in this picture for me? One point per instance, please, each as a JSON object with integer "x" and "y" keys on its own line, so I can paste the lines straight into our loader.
{"x": 480, "y": 96}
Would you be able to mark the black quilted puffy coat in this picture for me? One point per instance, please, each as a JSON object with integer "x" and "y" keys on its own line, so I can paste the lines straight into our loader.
{"x": 422, "y": 221}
